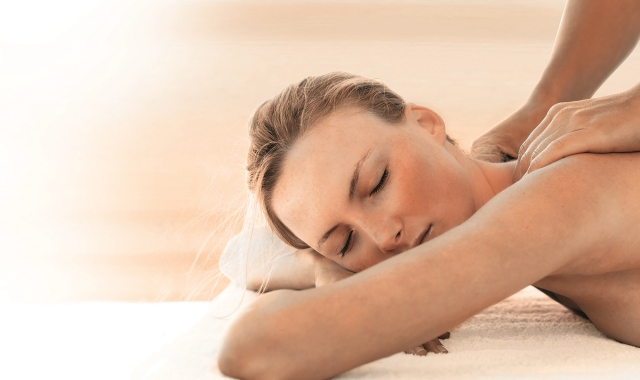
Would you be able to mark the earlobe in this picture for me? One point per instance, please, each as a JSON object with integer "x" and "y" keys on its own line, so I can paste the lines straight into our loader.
{"x": 427, "y": 120}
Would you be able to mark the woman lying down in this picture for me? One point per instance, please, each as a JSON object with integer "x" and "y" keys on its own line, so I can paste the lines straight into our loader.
{"x": 372, "y": 192}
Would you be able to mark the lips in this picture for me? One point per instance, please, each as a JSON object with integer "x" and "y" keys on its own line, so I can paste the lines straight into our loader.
{"x": 425, "y": 236}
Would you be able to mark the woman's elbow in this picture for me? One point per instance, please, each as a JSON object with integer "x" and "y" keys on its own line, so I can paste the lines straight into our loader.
{"x": 249, "y": 349}
{"x": 240, "y": 356}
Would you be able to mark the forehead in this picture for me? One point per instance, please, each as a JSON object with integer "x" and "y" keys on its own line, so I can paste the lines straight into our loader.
{"x": 313, "y": 187}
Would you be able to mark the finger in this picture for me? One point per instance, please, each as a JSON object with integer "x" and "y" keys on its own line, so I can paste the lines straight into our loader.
{"x": 435, "y": 346}
{"x": 541, "y": 143}
{"x": 536, "y": 145}
{"x": 524, "y": 156}
{"x": 523, "y": 153}
{"x": 572, "y": 143}
{"x": 417, "y": 350}
{"x": 446, "y": 335}
{"x": 539, "y": 129}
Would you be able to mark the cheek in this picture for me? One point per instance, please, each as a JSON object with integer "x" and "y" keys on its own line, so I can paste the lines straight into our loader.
{"x": 441, "y": 191}
{"x": 372, "y": 257}
{"x": 367, "y": 254}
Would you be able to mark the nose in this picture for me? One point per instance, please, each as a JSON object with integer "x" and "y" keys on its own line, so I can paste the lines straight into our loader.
{"x": 388, "y": 235}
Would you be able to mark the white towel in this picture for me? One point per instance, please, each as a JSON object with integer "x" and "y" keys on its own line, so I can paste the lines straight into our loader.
{"x": 527, "y": 336}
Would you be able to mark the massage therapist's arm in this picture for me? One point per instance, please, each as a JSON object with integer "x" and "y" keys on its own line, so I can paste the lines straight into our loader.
{"x": 516, "y": 239}
{"x": 610, "y": 124}
{"x": 593, "y": 39}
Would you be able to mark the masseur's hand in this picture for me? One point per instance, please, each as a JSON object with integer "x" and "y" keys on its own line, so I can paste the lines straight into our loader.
{"x": 328, "y": 272}
{"x": 602, "y": 125}
{"x": 593, "y": 38}
{"x": 501, "y": 143}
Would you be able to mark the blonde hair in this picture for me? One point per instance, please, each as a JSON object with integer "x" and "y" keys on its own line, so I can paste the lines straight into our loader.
{"x": 278, "y": 123}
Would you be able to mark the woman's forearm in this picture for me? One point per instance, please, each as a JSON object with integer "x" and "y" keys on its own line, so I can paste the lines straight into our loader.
{"x": 303, "y": 269}
{"x": 294, "y": 271}
{"x": 593, "y": 39}
{"x": 413, "y": 297}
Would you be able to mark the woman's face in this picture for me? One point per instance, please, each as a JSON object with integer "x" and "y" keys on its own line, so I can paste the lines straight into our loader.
{"x": 358, "y": 189}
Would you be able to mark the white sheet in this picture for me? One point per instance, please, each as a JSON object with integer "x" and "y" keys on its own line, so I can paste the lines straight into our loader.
{"x": 527, "y": 336}
{"x": 89, "y": 340}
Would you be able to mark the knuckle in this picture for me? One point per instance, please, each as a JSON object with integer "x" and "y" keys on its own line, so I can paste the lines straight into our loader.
{"x": 556, "y": 108}
{"x": 522, "y": 152}
{"x": 558, "y": 144}
{"x": 523, "y": 149}
{"x": 583, "y": 120}
{"x": 561, "y": 111}
{"x": 536, "y": 152}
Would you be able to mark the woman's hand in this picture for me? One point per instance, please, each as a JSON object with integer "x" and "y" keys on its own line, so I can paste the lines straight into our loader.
{"x": 328, "y": 272}
{"x": 602, "y": 125}
{"x": 434, "y": 346}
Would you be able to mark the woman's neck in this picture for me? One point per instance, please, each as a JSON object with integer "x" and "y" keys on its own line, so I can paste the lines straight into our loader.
{"x": 487, "y": 179}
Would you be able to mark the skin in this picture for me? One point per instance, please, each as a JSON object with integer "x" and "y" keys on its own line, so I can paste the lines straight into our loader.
{"x": 603, "y": 125}
{"x": 568, "y": 228}
{"x": 385, "y": 223}
{"x": 593, "y": 39}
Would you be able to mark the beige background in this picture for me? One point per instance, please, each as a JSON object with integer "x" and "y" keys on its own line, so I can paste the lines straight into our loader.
{"x": 123, "y": 124}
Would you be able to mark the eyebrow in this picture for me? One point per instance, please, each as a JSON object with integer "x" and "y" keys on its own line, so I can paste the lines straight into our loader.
{"x": 356, "y": 174}
{"x": 352, "y": 191}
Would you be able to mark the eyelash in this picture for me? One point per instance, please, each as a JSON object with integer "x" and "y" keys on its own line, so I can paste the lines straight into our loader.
{"x": 383, "y": 180}
{"x": 379, "y": 186}
{"x": 344, "y": 249}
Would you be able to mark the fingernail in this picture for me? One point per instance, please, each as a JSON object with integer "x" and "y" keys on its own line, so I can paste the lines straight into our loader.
{"x": 421, "y": 351}
{"x": 442, "y": 349}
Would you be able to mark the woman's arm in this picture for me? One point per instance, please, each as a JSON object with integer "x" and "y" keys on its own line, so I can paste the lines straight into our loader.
{"x": 302, "y": 269}
{"x": 294, "y": 271}
{"x": 593, "y": 39}
{"x": 306, "y": 269}
{"x": 531, "y": 230}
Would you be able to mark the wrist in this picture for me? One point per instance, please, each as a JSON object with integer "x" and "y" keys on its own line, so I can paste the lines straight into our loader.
{"x": 308, "y": 267}
{"x": 317, "y": 264}
{"x": 519, "y": 125}
{"x": 539, "y": 102}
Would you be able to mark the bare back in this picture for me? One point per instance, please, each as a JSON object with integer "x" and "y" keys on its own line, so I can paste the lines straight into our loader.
{"x": 604, "y": 282}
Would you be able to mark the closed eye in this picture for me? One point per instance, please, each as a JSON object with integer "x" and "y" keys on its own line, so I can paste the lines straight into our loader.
{"x": 344, "y": 249}
{"x": 383, "y": 180}
{"x": 379, "y": 186}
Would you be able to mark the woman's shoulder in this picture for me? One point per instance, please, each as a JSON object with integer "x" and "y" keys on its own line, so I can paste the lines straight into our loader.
{"x": 586, "y": 188}
{"x": 576, "y": 208}
{"x": 604, "y": 182}
{"x": 589, "y": 172}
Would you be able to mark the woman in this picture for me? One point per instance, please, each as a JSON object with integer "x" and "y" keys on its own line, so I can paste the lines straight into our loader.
{"x": 343, "y": 165}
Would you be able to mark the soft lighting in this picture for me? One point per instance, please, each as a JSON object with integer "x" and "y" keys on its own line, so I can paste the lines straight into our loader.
{"x": 40, "y": 21}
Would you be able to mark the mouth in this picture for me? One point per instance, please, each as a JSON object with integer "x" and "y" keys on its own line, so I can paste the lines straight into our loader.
{"x": 426, "y": 235}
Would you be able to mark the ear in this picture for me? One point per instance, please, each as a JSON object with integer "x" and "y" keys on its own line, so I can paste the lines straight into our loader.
{"x": 427, "y": 120}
